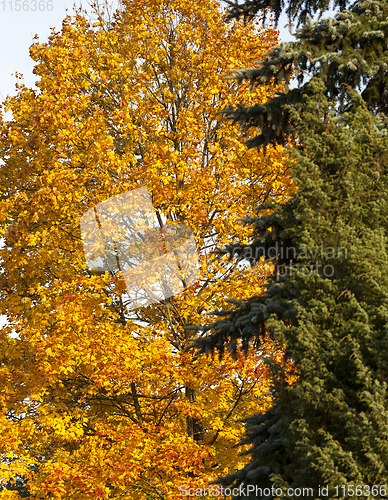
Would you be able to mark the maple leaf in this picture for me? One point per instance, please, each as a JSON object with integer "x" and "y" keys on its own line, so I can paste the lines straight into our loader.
{"x": 107, "y": 400}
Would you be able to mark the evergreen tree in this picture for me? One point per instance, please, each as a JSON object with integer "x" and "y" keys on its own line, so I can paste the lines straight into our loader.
{"x": 348, "y": 51}
{"x": 327, "y": 299}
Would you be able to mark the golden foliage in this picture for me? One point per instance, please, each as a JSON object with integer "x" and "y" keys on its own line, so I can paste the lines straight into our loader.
{"x": 104, "y": 401}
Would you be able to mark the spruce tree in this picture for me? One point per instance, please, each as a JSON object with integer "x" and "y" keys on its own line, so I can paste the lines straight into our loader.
{"x": 345, "y": 52}
{"x": 327, "y": 299}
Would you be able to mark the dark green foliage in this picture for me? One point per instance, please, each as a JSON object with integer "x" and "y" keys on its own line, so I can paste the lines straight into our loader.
{"x": 331, "y": 427}
{"x": 296, "y": 9}
{"x": 349, "y": 51}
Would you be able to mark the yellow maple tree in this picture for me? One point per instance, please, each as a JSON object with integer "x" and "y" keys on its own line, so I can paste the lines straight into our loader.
{"x": 100, "y": 399}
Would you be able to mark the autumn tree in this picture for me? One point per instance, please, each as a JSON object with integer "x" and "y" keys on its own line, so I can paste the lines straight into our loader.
{"x": 328, "y": 303}
{"x": 102, "y": 398}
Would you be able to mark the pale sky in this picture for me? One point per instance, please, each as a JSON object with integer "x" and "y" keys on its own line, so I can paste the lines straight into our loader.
{"x": 17, "y": 30}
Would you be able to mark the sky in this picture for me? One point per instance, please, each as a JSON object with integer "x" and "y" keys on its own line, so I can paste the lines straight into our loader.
{"x": 17, "y": 30}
